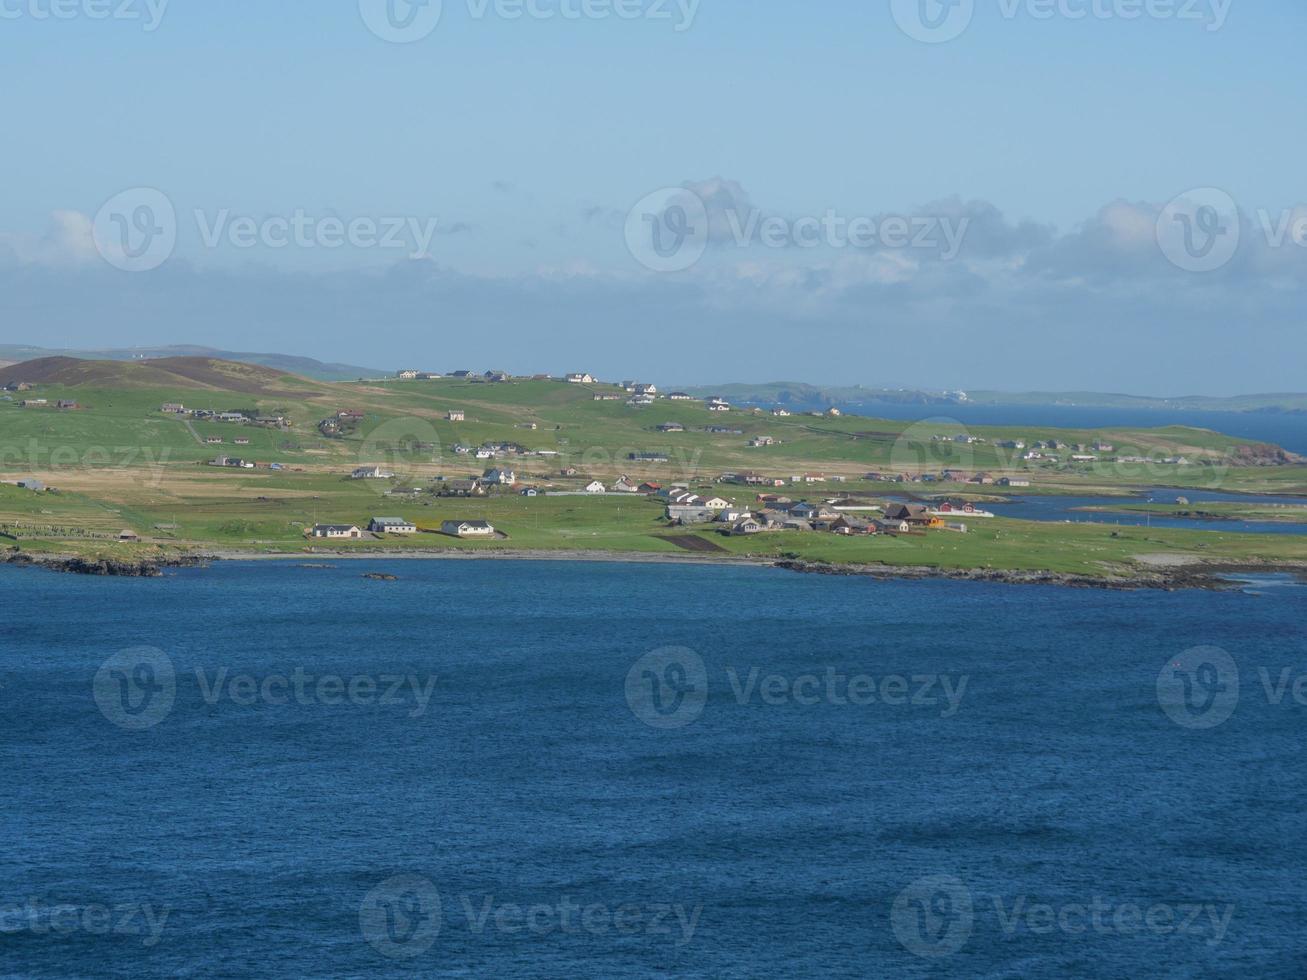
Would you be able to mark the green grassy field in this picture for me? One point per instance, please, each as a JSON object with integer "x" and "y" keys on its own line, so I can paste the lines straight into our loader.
{"x": 118, "y": 462}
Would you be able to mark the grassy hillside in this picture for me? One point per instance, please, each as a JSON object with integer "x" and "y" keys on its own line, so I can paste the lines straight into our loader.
{"x": 119, "y": 462}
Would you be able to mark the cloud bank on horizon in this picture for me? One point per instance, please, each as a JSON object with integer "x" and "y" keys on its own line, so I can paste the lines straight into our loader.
{"x": 953, "y": 294}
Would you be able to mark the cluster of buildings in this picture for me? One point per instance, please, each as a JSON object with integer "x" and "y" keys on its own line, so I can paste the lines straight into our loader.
{"x": 400, "y": 527}
{"x": 773, "y": 512}
{"x": 231, "y": 417}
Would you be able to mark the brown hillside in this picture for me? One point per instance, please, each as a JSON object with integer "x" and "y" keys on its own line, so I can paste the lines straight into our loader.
{"x": 166, "y": 372}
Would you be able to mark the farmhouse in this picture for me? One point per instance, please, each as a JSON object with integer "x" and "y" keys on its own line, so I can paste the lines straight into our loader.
{"x": 172, "y": 408}
{"x": 594, "y": 486}
{"x": 463, "y": 488}
{"x": 625, "y": 485}
{"x": 908, "y": 513}
{"x": 468, "y": 529}
{"x": 127, "y": 534}
{"x": 499, "y": 477}
{"x": 890, "y": 526}
{"x": 370, "y": 473}
{"x": 580, "y": 379}
{"x": 456, "y": 416}
{"x": 407, "y": 375}
{"x": 690, "y": 514}
{"x": 391, "y": 525}
{"x": 680, "y": 396}
{"x": 335, "y": 531}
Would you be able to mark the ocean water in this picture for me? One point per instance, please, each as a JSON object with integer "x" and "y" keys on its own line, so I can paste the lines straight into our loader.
{"x": 544, "y": 769}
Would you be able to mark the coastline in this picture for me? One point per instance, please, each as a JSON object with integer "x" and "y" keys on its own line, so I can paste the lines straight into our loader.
{"x": 1180, "y": 575}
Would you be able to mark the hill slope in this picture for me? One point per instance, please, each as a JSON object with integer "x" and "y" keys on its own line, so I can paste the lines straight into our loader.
{"x": 306, "y": 366}
{"x": 169, "y": 372}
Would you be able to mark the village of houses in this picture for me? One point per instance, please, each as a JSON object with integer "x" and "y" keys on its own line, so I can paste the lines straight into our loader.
{"x": 769, "y": 510}
{"x": 681, "y": 505}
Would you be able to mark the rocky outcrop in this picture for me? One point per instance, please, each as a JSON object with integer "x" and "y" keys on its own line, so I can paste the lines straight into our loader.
{"x": 1165, "y": 578}
{"x": 115, "y": 567}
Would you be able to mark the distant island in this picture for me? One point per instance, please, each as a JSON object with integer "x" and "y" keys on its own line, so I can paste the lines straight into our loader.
{"x": 123, "y": 466}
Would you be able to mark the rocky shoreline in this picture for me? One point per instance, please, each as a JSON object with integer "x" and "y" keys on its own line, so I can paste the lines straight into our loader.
{"x": 1172, "y": 579}
{"x": 1165, "y": 578}
{"x": 113, "y": 567}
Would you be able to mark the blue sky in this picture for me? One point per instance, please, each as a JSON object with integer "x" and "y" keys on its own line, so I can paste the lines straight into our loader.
{"x": 506, "y": 153}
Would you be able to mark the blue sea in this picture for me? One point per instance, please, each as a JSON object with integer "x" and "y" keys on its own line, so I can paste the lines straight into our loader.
{"x": 552, "y": 769}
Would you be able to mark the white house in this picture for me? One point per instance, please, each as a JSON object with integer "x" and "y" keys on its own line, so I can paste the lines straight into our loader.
{"x": 371, "y": 473}
{"x": 501, "y": 477}
{"x": 391, "y": 525}
{"x": 336, "y": 531}
{"x": 455, "y": 416}
{"x": 407, "y": 375}
{"x": 594, "y": 486}
{"x": 715, "y": 503}
{"x": 625, "y": 485}
{"x": 580, "y": 379}
{"x": 468, "y": 529}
